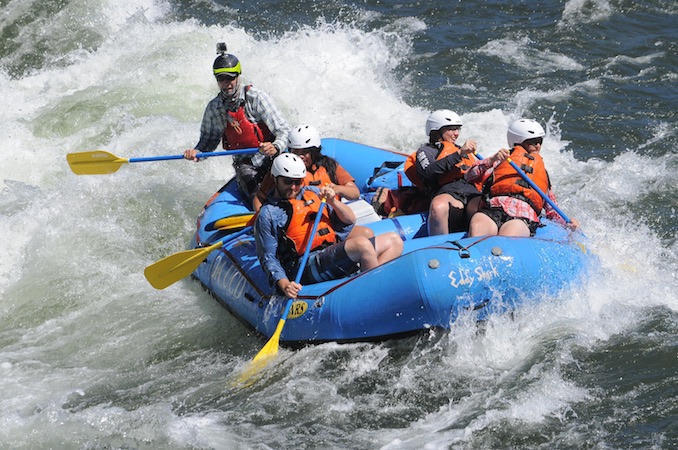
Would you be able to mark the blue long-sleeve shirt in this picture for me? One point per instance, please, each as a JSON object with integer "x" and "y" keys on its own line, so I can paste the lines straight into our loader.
{"x": 271, "y": 221}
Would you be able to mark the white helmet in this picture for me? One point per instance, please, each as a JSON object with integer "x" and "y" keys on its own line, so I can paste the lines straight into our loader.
{"x": 523, "y": 129}
{"x": 441, "y": 118}
{"x": 288, "y": 165}
{"x": 303, "y": 136}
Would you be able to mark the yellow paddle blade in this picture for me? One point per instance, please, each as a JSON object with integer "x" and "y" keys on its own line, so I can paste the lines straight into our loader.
{"x": 173, "y": 268}
{"x": 264, "y": 356}
{"x": 228, "y": 223}
{"x": 271, "y": 348}
{"x": 97, "y": 162}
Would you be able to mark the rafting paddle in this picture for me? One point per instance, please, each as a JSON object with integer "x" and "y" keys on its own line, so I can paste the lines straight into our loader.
{"x": 173, "y": 268}
{"x": 271, "y": 348}
{"x": 535, "y": 187}
{"x": 99, "y": 162}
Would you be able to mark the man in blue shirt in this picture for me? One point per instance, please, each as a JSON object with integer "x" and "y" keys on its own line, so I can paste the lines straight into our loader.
{"x": 281, "y": 231}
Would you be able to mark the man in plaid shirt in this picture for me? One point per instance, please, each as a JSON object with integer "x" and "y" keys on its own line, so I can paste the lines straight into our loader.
{"x": 241, "y": 116}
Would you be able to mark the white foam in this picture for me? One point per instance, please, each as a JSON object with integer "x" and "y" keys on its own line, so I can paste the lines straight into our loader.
{"x": 577, "y": 12}
{"x": 523, "y": 52}
{"x": 76, "y": 305}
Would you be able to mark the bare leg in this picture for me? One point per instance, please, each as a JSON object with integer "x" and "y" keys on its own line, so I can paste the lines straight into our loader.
{"x": 482, "y": 225}
{"x": 442, "y": 207}
{"x": 388, "y": 246}
{"x": 514, "y": 227}
{"x": 359, "y": 230}
{"x": 471, "y": 208}
{"x": 360, "y": 249}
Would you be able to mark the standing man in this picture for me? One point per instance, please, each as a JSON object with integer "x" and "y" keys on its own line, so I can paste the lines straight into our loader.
{"x": 241, "y": 116}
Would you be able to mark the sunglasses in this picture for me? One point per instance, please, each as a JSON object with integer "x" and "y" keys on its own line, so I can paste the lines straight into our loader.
{"x": 450, "y": 128}
{"x": 300, "y": 151}
{"x": 227, "y": 77}
{"x": 291, "y": 181}
{"x": 533, "y": 141}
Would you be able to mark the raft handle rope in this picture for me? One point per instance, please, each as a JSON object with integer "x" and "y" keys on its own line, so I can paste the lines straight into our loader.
{"x": 464, "y": 251}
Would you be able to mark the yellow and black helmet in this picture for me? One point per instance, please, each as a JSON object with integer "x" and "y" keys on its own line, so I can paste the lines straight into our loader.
{"x": 225, "y": 65}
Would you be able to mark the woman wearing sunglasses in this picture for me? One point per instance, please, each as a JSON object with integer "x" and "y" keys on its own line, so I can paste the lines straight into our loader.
{"x": 511, "y": 207}
{"x": 284, "y": 222}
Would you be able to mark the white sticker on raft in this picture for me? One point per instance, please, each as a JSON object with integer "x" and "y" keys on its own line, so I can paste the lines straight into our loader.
{"x": 462, "y": 276}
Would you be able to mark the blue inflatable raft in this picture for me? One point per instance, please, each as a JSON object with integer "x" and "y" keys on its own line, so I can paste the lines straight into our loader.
{"x": 437, "y": 278}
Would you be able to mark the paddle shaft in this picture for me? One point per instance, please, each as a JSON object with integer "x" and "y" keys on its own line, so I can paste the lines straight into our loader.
{"x": 309, "y": 244}
{"x": 304, "y": 258}
{"x": 271, "y": 347}
{"x": 535, "y": 187}
{"x": 232, "y": 236}
{"x": 199, "y": 155}
{"x": 100, "y": 162}
{"x": 173, "y": 268}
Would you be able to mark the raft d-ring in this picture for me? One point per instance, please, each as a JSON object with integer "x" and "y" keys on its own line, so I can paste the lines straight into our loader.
{"x": 463, "y": 251}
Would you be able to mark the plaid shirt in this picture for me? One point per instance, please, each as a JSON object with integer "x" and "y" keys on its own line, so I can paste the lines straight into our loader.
{"x": 259, "y": 107}
{"x": 512, "y": 206}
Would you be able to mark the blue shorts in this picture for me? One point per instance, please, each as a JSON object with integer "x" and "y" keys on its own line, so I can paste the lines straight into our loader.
{"x": 329, "y": 263}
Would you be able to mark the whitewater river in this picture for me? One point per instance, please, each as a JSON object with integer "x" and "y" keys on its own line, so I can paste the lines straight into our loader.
{"x": 92, "y": 357}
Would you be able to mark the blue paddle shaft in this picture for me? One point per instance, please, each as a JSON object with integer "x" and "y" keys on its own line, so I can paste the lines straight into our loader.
{"x": 199, "y": 155}
{"x": 536, "y": 188}
{"x": 307, "y": 251}
{"x": 304, "y": 258}
{"x": 232, "y": 236}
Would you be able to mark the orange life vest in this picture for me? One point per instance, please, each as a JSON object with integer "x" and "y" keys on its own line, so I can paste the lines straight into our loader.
{"x": 467, "y": 160}
{"x": 508, "y": 182}
{"x": 241, "y": 133}
{"x": 448, "y": 149}
{"x": 319, "y": 177}
{"x": 301, "y": 219}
